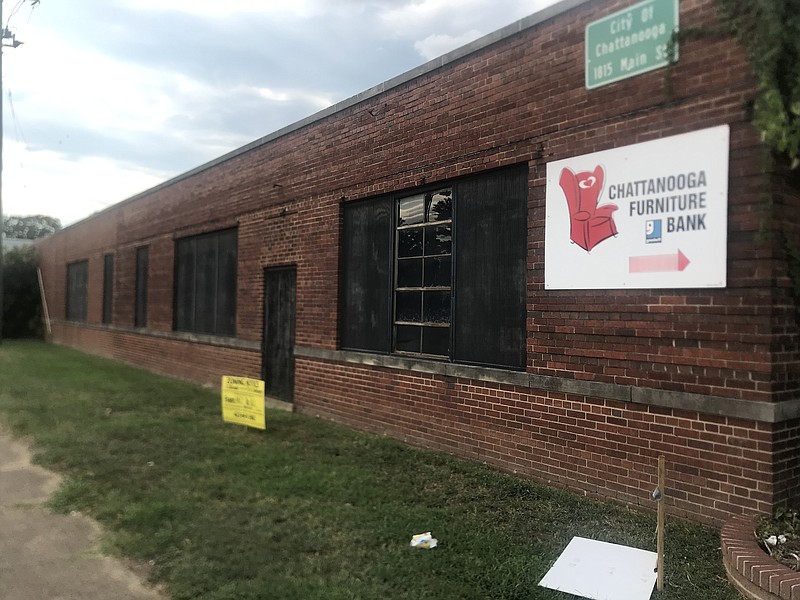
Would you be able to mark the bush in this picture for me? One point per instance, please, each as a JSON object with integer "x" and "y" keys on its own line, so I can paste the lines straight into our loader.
{"x": 22, "y": 305}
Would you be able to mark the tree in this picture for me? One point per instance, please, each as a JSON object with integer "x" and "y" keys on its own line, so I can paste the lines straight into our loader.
{"x": 31, "y": 227}
{"x": 22, "y": 317}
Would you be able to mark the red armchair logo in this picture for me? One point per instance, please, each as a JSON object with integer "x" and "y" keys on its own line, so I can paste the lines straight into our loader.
{"x": 589, "y": 224}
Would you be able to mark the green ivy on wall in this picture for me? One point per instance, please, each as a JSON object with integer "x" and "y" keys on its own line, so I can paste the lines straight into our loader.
{"x": 769, "y": 31}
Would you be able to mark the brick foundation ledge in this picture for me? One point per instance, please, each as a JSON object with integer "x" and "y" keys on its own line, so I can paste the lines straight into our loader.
{"x": 750, "y": 569}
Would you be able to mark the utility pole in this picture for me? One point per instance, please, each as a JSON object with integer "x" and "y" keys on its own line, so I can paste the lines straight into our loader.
{"x": 2, "y": 222}
{"x": 6, "y": 35}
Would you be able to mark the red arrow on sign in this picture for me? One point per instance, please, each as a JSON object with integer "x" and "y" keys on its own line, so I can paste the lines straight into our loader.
{"x": 660, "y": 263}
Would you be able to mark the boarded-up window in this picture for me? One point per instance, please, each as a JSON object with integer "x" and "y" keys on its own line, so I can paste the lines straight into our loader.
{"x": 77, "y": 281}
{"x": 490, "y": 256}
{"x": 140, "y": 309}
{"x": 440, "y": 273}
{"x": 108, "y": 287}
{"x": 205, "y": 283}
{"x": 366, "y": 285}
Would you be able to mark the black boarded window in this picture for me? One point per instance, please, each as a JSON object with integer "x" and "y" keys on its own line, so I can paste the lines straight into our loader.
{"x": 490, "y": 265}
{"x": 205, "y": 283}
{"x": 440, "y": 273}
{"x": 108, "y": 287}
{"x": 77, "y": 280}
{"x": 366, "y": 284}
{"x": 140, "y": 304}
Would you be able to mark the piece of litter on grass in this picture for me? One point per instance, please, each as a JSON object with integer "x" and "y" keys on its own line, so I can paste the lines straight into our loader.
{"x": 424, "y": 540}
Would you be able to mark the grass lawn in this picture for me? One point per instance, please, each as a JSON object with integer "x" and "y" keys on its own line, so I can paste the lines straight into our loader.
{"x": 306, "y": 509}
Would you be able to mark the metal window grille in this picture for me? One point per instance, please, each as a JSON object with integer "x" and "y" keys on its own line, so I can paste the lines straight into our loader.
{"x": 423, "y": 274}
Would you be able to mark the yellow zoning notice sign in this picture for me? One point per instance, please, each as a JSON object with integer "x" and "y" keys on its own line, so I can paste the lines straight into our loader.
{"x": 243, "y": 401}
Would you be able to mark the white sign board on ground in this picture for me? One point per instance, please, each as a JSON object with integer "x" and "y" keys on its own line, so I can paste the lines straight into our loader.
{"x": 649, "y": 215}
{"x": 603, "y": 571}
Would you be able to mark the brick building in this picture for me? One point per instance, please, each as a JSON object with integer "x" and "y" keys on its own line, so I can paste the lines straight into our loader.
{"x": 383, "y": 264}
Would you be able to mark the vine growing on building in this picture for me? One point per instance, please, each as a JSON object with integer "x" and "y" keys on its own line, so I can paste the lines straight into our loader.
{"x": 769, "y": 32}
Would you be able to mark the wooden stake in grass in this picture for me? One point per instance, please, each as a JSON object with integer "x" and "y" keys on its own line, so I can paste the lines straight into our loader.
{"x": 44, "y": 303}
{"x": 658, "y": 496}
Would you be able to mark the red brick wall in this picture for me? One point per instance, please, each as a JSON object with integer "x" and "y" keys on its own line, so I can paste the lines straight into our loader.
{"x": 72, "y": 245}
{"x": 521, "y": 100}
{"x": 716, "y": 465}
{"x": 181, "y": 359}
{"x": 786, "y": 461}
{"x": 784, "y": 232}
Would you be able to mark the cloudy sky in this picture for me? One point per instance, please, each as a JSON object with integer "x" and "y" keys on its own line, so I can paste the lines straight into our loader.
{"x": 107, "y": 98}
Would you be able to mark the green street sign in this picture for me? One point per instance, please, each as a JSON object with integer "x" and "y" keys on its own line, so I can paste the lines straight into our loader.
{"x": 630, "y": 42}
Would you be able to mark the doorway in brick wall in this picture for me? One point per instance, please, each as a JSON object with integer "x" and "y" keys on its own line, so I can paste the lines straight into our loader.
{"x": 280, "y": 285}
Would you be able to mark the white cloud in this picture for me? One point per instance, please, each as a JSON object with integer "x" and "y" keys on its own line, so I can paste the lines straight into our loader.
{"x": 439, "y": 26}
{"x": 438, "y": 43}
{"x": 115, "y": 99}
{"x": 44, "y": 182}
{"x": 301, "y": 9}
{"x": 295, "y": 96}
{"x": 420, "y": 13}
{"x": 227, "y": 8}
{"x": 113, "y": 105}
{"x": 455, "y": 16}
{"x": 99, "y": 92}
{"x": 273, "y": 95}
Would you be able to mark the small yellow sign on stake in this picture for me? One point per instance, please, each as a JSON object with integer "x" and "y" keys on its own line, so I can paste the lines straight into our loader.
{"x": 243, "y": 401}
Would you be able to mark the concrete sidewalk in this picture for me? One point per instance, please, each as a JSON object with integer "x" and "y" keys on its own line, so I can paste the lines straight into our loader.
{"x": 44, "y": 556}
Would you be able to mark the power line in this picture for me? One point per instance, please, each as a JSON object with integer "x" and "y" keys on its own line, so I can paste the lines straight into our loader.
{"x": 19, "y": 134}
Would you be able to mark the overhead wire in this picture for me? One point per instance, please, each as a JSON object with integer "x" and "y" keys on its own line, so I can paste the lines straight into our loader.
{"x": 19, "y": 133}
{"x": 17, "y": 7}
{"x": 14, "y": 11}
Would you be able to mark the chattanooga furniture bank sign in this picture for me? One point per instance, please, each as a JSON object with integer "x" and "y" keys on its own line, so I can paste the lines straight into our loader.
{"x": 650, "y": 215}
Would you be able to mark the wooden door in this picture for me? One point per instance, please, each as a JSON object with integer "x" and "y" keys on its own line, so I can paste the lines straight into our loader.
{"x": 279, "y": 317}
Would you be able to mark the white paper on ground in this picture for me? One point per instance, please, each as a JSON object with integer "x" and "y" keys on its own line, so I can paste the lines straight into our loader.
{"x": 603, "y": 571}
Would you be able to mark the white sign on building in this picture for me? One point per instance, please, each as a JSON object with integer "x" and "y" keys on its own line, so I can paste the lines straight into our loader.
{"x": 650, "y": 215}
